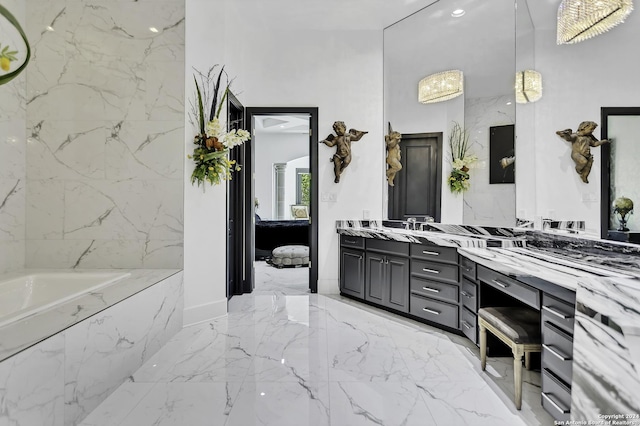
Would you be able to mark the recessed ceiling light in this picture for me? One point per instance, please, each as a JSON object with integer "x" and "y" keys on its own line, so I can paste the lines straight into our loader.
{"x": 49, "y": 28}
{"x": 282, "y": 126}
{"x": 509, "y": 103}
{"x": 262, "y": 393}
{"x": 458, "y": 13}
{"x": 153, "y": 29}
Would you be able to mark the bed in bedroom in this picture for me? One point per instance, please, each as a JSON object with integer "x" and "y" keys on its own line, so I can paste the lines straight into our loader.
{"x": 275, "y": 233}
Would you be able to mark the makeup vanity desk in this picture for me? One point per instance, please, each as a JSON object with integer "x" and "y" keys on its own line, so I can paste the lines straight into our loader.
{"x": 588, "y": 293}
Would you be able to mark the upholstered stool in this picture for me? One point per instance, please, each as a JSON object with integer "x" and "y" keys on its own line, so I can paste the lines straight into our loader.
{"x": 517, "y": 327}
{"x": 290, "y": 256}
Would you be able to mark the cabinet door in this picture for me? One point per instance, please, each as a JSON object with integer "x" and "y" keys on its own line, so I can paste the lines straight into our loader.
{"x": 352, "y": 272}
{"x": 375, "y": 278}
{"x": 398, "y": 283}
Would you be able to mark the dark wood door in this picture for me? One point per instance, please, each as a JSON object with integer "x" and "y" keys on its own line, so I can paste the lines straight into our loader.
{"x": 418, "y": 185}
{"x": 375, "y": 278}
{"x": 235, "y": 203}
{"x": 352, "y": 272}
{"x": 397, "y": 283}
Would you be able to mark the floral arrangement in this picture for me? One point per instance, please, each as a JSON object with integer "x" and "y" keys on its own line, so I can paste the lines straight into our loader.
{"x": 461, "y": 159}
{"x": 8, "y": 55}
{"x": 213, "y": 142}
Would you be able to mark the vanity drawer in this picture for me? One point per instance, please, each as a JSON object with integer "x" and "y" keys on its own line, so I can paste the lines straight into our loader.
{"x": 434, "y": 253}
{"x": 435, "y": 271}
{"x": 468, "y": 324}
{"x": 434, "y": 310}
{"x": 469, "y": 295}
{"x": 435, "y": 289}
{"x": 353, "y": 242}
{"x": 557, "y": 351}
{"x": 395, "y": 247}
{"x": 558, "y": 312}
{"x": 468, "y": 268}
{"x": 556, "y": 396}
{"x": 518, "y": 290}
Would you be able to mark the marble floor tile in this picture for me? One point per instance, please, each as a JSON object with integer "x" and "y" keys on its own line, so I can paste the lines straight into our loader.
{"x": 281, "y": 404}
{"x": 285, "y": 358}
{"x": 390, "y": 403}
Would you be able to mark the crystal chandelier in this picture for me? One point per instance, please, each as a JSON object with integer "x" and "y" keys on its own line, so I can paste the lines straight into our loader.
{"x": 528, "y": 86}
{"x": 579, "y": 20}
{"x": 440, "y": 87}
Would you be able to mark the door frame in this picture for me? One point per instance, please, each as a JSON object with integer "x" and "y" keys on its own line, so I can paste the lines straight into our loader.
{"x": 249, "y": 166}
{"x": 438, "y": 195}
{"x": 235, "y": 205}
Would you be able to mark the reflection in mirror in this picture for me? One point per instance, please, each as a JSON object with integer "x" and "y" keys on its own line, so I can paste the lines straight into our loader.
{"x": 481, "y": 44}
{"x": 621, "y": 175}
{"x": 579, "y": 80}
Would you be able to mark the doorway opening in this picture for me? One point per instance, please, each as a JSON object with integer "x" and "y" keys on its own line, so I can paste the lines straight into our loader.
{"x": 280, "y": 198}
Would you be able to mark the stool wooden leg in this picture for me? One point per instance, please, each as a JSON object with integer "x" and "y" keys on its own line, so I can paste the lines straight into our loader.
{"x": 483, "y": 347}
{"x": 527, "y": 360}
{"x": 517, "y": 375}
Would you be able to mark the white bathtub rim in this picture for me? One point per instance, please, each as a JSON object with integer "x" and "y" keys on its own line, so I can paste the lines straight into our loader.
{"x": 20, "y": 335}
{"x": 108, "y": 279}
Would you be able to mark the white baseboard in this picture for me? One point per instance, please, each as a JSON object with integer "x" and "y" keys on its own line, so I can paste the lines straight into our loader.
{"x": 328, "y": 287}
{"x": 205, "y": 312}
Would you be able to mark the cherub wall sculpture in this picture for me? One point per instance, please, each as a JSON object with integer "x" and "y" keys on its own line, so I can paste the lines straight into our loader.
{"x": 581, "y": 142}
{"x": 342, "y": 157}
{"x": 393, "y": 154}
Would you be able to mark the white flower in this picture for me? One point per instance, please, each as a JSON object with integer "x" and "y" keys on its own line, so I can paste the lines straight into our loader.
{"x": 458, "y": 163}
{"x": 235, "y": 138}
{"x": 214, "y": 128}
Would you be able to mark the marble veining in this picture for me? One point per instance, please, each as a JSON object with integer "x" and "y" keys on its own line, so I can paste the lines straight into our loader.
{"x": 316, "y": 360}
{"x": 21, "y": 334}
{"x": 433, "y": 233}
{"x": 104, "y": 107}
{"x": 606, "y": 367}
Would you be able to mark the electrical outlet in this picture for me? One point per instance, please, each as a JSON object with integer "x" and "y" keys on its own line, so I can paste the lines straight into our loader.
{"x": 333, "y": 197}
{"x": 324, "y": 196}
{"x": 589, "y": 197}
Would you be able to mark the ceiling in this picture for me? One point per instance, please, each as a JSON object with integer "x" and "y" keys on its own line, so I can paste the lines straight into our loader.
{"x": 320, "y": 14}
{"x": 288, "y": 124}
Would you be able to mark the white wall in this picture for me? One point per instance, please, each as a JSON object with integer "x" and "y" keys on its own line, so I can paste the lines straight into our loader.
{"x": 13, "y": 147}
{"x": 205, "y": 219}
{"x": 340, "y": 72}
{"x": 273, "y": 148}
{"x": 578, "y": 80}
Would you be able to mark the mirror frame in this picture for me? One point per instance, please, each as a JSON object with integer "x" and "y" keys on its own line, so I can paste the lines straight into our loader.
{"x": 605, "y": 169}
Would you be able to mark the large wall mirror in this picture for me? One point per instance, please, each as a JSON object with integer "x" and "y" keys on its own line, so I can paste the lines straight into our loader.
{"x": 578, "y": 81}
{"x": 480, "y": 41}
{"x": 620, "y": 173}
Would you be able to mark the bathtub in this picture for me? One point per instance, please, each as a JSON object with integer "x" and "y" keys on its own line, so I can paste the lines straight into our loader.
{"x": 29, "y": 294}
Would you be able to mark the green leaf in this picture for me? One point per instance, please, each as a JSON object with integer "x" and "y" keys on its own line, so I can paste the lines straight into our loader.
{"x": 226, "y": 92}
{"x": 200, "y": 106}
{"x": 215, "y": 154}
{"x": 5, "y": 49}
{"x": 216, "y": 87}
{"x": 13, "y": 21}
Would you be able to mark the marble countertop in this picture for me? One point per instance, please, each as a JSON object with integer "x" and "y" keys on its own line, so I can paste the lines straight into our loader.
{"x": 521, "y": 254}
{"x": 19, "y": 335}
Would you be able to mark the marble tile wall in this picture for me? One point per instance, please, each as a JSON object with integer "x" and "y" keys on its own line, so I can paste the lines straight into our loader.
{"x": 60, "y": 380}
{"x": 12, "y": 162}
{"x": 105, "y": 127}
{"x": 486, "y": 204}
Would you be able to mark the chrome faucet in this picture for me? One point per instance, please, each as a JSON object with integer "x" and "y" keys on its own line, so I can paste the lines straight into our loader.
{"x": 411, "y": 221}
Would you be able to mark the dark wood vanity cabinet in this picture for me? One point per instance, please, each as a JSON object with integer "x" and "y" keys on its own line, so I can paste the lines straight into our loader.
{"x": 352, "y": 261}
{"x": 469, "y": 298}
{"x": 435, "y": 284}
{"x": 387, "y": 275}
{"x": 557, "y": 319}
